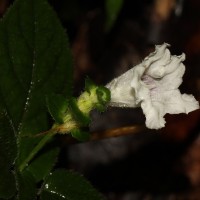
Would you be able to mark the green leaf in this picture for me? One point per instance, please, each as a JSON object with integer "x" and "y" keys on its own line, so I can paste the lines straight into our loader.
{"x": 35, "y": 61}
{"x": 89, "y": 85}
{"x": 8, "y": 153}
{"x": 26, "y": 186}
{"x": 113, "y": 8}
{"x": 80, "y": 135}
{"x": 104, "y": 96}
{"x": 57, "y": 106}
{"x": 41, "y": 166}
{"x": 63, "y": 184}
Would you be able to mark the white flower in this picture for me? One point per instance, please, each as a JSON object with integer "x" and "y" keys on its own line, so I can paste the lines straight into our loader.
{"x": 153, "y": 85}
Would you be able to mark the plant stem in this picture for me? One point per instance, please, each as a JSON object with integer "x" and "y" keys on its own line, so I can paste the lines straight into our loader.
{"x": 36, "y": 149}
{"x": 110, "y": 133}
{"x": 116, "y": 132}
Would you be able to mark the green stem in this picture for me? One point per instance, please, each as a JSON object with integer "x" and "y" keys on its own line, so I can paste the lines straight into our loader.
{"x": 36, "y": 149}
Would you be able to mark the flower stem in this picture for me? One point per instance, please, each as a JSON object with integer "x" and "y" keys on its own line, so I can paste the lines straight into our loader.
{"x": 110, "y": 133}
{"x": 36, "y": 149}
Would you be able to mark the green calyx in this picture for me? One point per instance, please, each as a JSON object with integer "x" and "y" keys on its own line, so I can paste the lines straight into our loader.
{"x": 72, "y": 114}
{"x": 94, "y": 97}
{"x": 103, "y": 95}
{"x": 80, "y": 117}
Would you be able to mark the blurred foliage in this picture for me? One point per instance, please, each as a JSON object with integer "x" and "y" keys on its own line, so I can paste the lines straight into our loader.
{"x": 113, "y": 8}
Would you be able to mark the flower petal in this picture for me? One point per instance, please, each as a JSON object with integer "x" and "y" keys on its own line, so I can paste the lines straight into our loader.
{"x": 122, "y": 93}
{"x": 172, "y": 102}
{"x": 190, "y": 102}
{"x": 153, "y": 85}
{"x": 154, "y": 113}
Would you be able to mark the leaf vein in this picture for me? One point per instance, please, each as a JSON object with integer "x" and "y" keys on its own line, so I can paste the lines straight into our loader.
{"x": 30, "y": 90}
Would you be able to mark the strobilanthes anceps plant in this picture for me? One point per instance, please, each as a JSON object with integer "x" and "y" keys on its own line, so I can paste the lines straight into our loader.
{"x": 36, "y": 70}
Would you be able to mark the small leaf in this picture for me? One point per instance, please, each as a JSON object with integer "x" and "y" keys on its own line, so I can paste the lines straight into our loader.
{"x": 113, "y": 8}
{"x": 89, "y": 85}
{"x": 80, "y": 135}
{"x": 26, "y": 186}
{"x": 57, "y": 106}
{"x": 41, "y": 166}
{"x": 63, "y": 184}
